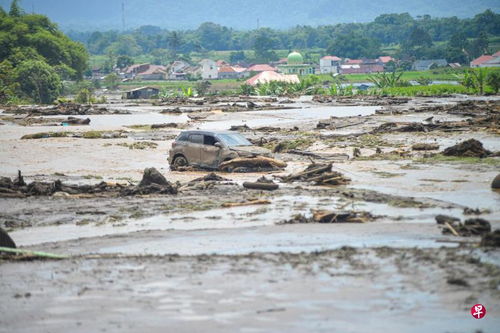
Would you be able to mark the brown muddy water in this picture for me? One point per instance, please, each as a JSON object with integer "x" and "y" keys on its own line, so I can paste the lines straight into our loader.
{"x": 185, "y": 263}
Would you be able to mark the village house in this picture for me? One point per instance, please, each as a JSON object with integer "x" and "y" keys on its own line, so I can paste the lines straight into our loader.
{"x": 329, "y": 65}
{"x": 145, "y": 72}
{"x": 361, "y": 66}
{"x": 425, "y": 65}
{"x": 131, "y": 71}
{"x": 260, "y": 68}
{"x": 154, "y": 72}
{"x": 141, "y": 93}
{"x": 228, "y": 72}
{"x": 178, "y": 70}
{"x": 208, "y": 69}
{"x": 486, "y": 61}
{"x": 269, "y": 76}
{"x": 295, "y": 65}
{"x": 385, "y": 60}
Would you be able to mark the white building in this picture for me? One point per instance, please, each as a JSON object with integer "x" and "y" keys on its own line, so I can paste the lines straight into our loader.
{"x": 329, "y": 64}
{"x": 209, "y": 70}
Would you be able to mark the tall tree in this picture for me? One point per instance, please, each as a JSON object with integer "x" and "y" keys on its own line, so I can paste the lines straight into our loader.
{"x": 15, "y": 9}
{"x": 38, "y": 81}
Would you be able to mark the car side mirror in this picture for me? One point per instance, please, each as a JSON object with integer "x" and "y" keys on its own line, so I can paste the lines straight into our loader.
{"x": 218, "y": 145}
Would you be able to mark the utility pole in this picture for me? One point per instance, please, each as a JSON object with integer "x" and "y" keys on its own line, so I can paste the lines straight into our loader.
{"x": 258, "y": 24}
{"x": 123, "y": 16}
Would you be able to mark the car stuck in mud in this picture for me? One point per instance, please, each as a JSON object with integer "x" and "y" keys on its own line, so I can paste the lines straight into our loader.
{"x": 208, "y": 149}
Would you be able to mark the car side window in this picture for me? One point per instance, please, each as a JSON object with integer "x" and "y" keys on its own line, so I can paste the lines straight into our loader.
{"x": 183, "y": 137}
{"x": 209, "y": 140}
{"x": 196, "y": 138}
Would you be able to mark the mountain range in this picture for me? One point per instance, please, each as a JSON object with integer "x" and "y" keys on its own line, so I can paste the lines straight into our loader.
{"x": 85, "y": 15}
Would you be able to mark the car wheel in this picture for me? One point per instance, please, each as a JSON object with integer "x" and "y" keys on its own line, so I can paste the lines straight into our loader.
{"x": 179, "y": 161}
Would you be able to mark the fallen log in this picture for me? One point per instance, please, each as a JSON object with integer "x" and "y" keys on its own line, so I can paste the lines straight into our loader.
{"x": 260, "y": 186}
{"x": 249, "y": 164}
{"x": 246, "y": 203}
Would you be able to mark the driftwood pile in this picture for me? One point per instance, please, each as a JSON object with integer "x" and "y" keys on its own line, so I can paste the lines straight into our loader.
{"x": 152, "y": 182}
{"x": 320, "y": 174}
{"x": 72, "y": 109}
{"x": 470, "y": 227}
{"x": 327, "y": 216}
{"x": 252, "y": 164}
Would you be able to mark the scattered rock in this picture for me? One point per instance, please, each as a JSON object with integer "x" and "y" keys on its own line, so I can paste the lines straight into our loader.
{"x": 261, "y": 184}
{"x": 240, "y": 128}
{"x": 5, "y": 240}
{"x": 496, "y": 182}
{"x": 442, "y": 219}
{"x": 491, "y": 239}
{"x": 457, "y": 281}
{"x": 210, "y": 177}
{"x": 152, "y": 182}
{"x": 171, "y": 110}
{"x": 469, "y": 148}
{"x": 76, "y": 121}
{"x": 153, "y": 176}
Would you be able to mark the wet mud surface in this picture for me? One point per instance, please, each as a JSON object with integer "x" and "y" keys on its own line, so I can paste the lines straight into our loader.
{"x": 321, "y": 249}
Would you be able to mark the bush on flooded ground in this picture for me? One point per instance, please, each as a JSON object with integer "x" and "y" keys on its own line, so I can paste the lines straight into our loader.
{"x": 432, "y": 90}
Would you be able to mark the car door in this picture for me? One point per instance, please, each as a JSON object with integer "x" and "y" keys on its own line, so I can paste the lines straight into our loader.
{"x": 209, "y": 152}
{"x": 193, "y": 148}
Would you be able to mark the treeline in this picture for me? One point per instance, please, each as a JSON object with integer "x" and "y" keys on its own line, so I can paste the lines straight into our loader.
{"x": 35, "y": 57}
{"x": 455, "y": 39}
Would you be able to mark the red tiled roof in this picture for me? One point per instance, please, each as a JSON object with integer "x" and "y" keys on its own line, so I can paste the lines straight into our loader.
{"x": 332, "y": 58}
{"x": 385, "y": 59}
{"x": 482, "y": 59}
{"x": 261, "y": 68}
{"x": 226, "y": 69}
{"x": 363, "y": 69}
{"x": 354, "y": 61}
{"x": 496, "y": 54}
{"x": 239, "y": 69}
{"x": 268, "y": 76}
{"x": 153, "y": 69}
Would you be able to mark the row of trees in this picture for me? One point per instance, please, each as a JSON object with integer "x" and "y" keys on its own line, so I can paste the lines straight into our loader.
{"x": 418, "y": 37}
{"x": 35, "y": 56}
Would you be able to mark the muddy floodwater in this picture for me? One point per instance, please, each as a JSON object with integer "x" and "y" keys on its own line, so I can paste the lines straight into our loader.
{"x": 357, "y": 249}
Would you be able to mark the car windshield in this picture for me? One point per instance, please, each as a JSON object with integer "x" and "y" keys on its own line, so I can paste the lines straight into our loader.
{"x": 234, "y": 140}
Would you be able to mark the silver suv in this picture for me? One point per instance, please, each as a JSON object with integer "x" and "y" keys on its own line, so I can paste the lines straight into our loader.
{"x": 207, "y": 149}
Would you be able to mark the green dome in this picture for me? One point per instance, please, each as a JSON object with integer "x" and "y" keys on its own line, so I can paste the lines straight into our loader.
{"x": 295, "y": 58}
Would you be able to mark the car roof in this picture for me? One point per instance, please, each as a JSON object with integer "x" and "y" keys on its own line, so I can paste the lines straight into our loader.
{"x": 208, "y": 132}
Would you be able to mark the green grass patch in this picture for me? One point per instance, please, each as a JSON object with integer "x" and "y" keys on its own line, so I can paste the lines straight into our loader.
{"x": 301, "y": 143}
{"x": 438, "y": 158}
{"x": 140, "y": 127}
{"x": 139, "y": 145}
{"x": 44, "y": 135}
{"x": 92, "y": 134}
{"x": 432, "y": 90}
{"x": 92, "y": 177}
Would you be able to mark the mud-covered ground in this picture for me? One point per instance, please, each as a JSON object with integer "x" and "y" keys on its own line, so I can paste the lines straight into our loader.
{"x": 187, "y": 262}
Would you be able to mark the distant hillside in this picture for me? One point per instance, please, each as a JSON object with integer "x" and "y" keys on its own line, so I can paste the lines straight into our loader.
{"x": 239, "y": 14}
